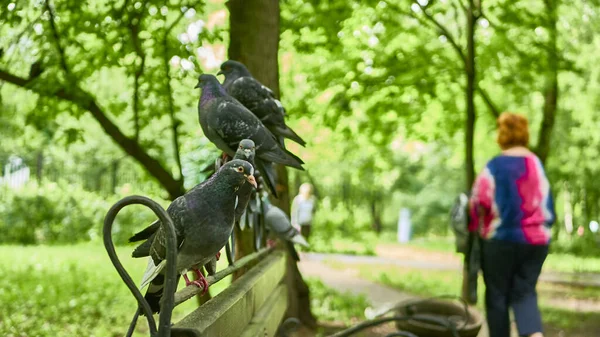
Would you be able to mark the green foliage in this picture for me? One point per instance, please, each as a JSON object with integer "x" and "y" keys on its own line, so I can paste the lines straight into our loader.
{"x": 63, "y": 213}
{"x": 331, "y": 305}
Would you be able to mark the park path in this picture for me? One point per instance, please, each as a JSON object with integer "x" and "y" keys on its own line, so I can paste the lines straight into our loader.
{"x": 347, "y": 280}
{"x": 410, "y": 257}
{"x": 382, "y": 297}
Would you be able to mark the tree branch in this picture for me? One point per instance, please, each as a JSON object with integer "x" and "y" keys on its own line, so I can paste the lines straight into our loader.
{"x": 444, "y": 31}
{"x": 61, "y": 51}
{"x": 488, "y": 101}
{"x": 170, "y": 103}
{"x": 137, "y": 46}
{"x": 84, "y": 100}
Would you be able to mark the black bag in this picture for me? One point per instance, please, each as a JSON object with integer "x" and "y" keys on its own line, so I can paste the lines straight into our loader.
{"x": 472, "y": 265}
{"x": 459, "y": 222}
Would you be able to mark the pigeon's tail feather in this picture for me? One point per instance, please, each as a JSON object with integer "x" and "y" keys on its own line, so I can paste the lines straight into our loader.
{"x": 299, "y": 239}
{"x": 282, "y": 156}
{"x": 155, "y": 292}
{"x": 268, "y": 175}
{"x": 296, "y": 158}
{"x": 152, "y": 271}
{"x": 288, "y": 133}
{"x": 146, "y": 232}
{"x": 143, "y": 249}
{"x": 292, "y": 250}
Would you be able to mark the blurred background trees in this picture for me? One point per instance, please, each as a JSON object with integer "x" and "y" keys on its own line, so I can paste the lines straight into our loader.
{"x": 98, "y": 102}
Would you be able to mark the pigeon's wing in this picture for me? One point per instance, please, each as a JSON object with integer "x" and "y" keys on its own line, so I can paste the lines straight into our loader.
{"x": 146, "y": 232}
{"x": 158, "y": 248}
{"x": 261, "y": 101}
{"x": 232, "y": 122}
{"x": 278, "y": 221}
{"x": 248, "y": 91}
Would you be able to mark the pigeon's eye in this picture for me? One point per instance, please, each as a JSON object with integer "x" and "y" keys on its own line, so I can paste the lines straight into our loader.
{"x": 253, "y": 147}
{"x": 240, "y": 146}
{"x": 240, "y": 169}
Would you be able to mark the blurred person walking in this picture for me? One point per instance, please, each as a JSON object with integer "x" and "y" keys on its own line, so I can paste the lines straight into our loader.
{"x": 512, "y": 209}
{"x": 303, "y": 209}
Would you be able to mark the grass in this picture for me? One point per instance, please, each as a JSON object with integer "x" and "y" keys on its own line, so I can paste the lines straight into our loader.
{"x": 435, "y": 283}
{"x": 75, "y": 291}
{"x": 330, "y": 305}
{"x": 71, "y": 291}
{"x": 556, "y": 262}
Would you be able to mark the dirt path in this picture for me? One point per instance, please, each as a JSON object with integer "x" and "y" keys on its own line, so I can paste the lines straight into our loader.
{"x": 347, "y": 280}
{"x": 418, "y": 258}
{"x": 382, "y": 297}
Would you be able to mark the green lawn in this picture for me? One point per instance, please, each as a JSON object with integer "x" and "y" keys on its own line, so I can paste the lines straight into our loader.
{"x": 71, "y": 291}
{"x": 557, "y": 262}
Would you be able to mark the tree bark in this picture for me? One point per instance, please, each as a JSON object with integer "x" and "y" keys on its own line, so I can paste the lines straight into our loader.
{"x": 470, "y": 122}
{"x": 469, "y": 95}
{"x": 551, "y": 90}
{"x": 254, "y": 41}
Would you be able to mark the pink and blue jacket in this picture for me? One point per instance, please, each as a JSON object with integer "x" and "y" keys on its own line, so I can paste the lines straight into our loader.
{"x": 512, "y": 197}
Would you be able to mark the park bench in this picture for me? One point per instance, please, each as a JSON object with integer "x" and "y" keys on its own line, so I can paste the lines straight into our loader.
{"x": 253, "y": 305}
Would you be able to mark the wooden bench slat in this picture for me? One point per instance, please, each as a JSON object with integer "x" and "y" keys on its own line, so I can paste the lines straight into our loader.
{"x": 229, "y": 313}
{"x": 267, "y": 319}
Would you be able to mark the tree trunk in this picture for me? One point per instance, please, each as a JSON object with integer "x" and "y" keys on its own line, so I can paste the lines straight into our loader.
{"x": 254, "y": 41}
{"x": 39, "y": 167}
{"x": 375, "y": 215}
{"x": 470, "y": 126}
{"x": 551, "y": 90}
{"x": 469, "y": 95}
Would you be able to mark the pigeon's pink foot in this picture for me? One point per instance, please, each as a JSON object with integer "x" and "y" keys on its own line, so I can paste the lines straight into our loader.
{"x": 270, "y": 243}
{"x": 218, "y": 256}
{"x": 225, "y": 158}
{"x": 200, "y": 282}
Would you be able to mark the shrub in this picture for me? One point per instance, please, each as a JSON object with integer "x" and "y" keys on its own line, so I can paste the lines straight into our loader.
{"x": 62, "y": 213}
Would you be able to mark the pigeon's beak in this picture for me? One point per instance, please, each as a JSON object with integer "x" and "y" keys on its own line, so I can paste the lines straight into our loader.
{"x": 197, "y": 85}
{"x": 220, "y": 72}
{"x": 251, "y": 180}
{"x": 248, "y": 152}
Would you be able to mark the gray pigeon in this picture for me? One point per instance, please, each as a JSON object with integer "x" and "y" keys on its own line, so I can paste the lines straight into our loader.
{"x": 258, "y": 98}
{"x": 277, "y": 221}
{"x": 226, "y": 122}
{"x": 246, "y": 151}
{"x": 203, "y": 219}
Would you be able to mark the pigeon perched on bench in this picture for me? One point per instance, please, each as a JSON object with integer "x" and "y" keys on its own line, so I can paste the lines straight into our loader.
{"x": 258, "y": 98}
{"x": 203, "y": 220}
{"x": 226, "y": 122}
{"x": 277, "y": 221}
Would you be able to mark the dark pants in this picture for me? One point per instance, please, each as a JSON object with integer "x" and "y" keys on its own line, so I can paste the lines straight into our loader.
{"x": 511, "y": 271}
{"x": 305, "y": 231}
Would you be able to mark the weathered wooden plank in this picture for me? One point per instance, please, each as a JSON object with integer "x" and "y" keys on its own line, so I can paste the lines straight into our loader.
{"x": 267, "y": 319}
{"x": 228, "y": 313}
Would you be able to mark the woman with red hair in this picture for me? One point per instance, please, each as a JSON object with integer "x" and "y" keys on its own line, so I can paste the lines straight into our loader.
{"x": 512, "y": 209}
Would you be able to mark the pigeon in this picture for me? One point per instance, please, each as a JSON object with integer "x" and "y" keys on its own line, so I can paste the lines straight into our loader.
{"x": 225, "y": 122}
{"x": 203, "y": 220}
{"x": 277, "y": 221}
{"x": 258, "y": 98}
{"x": 246, "y": 151}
